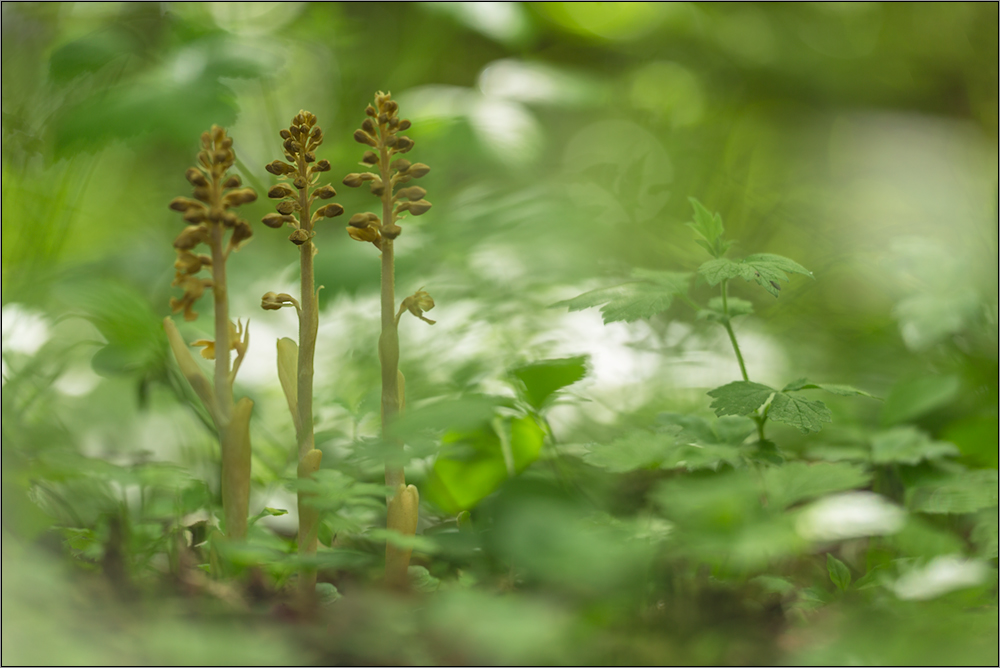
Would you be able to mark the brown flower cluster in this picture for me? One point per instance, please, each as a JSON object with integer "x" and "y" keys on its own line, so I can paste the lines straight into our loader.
{"x": 380, "y": 131}
{"x": 301, "y": 139}
{"x": 208, "y": 216}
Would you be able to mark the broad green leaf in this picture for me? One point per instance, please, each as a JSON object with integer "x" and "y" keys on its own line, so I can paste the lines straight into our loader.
{"x": 798, "y": 481}
{"x": 729, "y": 430}
{"x": 461, "y": 414}
{"x": 327, "y": 593}
{"x": 633, "y": 301}
{"x": 90, "y": 53}
{"x": 911, "y": 399}
{"x": 422, "y": 580}
{"x": 840, "y": 390}
{"x": 715, "y": 312}
{"x": 638, "y": 450}
{"x": 984, "y": 534}
{"x": 765, "y": 269}
{"x": 707, "y": 224}
{"x": 471, "y": 465}
{"x": 807, "y": 415}
{"x": 840, "y": 574}
{"x": 919, "y": 538}
{"x": 907, "y": 445}
{"x": 543, "y": 379}
{"x": 976, "y": 436}
{"x": 964, "y": 492}
{"x": 739, "y": 398}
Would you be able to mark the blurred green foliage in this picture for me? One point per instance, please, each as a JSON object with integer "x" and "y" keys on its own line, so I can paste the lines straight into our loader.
{"x": 581, "y": 503}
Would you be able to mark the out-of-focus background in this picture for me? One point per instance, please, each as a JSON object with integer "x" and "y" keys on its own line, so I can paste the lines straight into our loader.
{"x": 564, "y": 139}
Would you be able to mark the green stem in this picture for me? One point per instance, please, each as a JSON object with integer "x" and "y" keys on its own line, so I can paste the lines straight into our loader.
{"x": 759, "y": 419}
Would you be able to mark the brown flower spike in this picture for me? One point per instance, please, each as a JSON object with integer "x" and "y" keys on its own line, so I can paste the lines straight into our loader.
{"x": 380, "y": 132}
{"x": 211, "y": 221}
{"x": 296, "y": 197}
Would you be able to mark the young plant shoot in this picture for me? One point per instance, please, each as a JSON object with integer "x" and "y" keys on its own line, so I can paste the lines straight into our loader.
{"x": 380, "y": 131}
{"x": 295, "y": 362}
{"x": 209, "y": 220}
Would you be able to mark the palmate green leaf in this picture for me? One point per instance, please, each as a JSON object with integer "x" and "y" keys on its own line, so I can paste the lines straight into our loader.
{"x": 840, "y": 574}
{"x": 964, "y": 492}
{"x": 543, "y": 379}
{"x": 807, "y": 415}
{"x": 907, "y": 445}
{"x": 636, "y": 300}
{"x": 739, "y": 398}
{"x": 472, "y": 464}
{"x": 839, "y": 390}
{"x": 637, "y": 450}
{"x": 797, "y": 481}
{"x": 765, "y": 269}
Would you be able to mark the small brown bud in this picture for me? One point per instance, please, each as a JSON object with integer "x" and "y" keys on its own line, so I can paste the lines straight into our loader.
{"x": 203, "y": 193}
{"x": 370, "y": 158}
{"x": 195, "y": 216}
{"x": 300, "y": 183}
{"x": 299, "y": 237}
{"x": 418, "y": 169}
{"x": 391, "y": 231}
{"x": 370, "y": 110}
{"x": 390, "y": 107}
{"x": 269, "y": 302}
{"x": 239, "y": 197}
{"x": 393, "y": 122}
{"x": 369, "y": 234}
{"x": 363, "y": 137}
{"x": 321, "y": 166}
{"x": 325, "y": 192}
{"x": 191, "y": 237}
{"x": 317, "y": 133}
{"x": 241, "y": 232}
{"x": 285, "y": 134}
{"x": 391, "y": 140}
{"x": 189, "y": 263}
{"x": 383, "y": 118}
{"x": 403, "y": 144}
{"x": 229, "y": 219}
{"x": 183, "y": 204}
{"x": 413, "y": 193}
{"x": 404, "y": 125}
{"x": 359, "y": 220}
{"x": 353, "y": 180}
{"x": 400, "y": 165}
{"x": 377, "y": 187}
{"x": 280, "y": 168}
{"x": 368, "y": 126}
{"x": 233, "y": 181}
{"x": 330, "y": 210}
{"x": 286, "y": 207}
{"x": 279, "y": 191}
{"x": 310, "y": 156}
{"x": 196, "y": 177}
{"x": 299, "y": 119}
{"x": 273, "y": 220}
{"x": 420, "y": 207}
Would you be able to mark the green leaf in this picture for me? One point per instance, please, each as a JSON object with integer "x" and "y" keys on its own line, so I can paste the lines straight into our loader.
{"x": 798, "y": 481}
{"x": 637, "y": 450}
{"x": 984, "y": 534}
{"x": 908, "y": 445}
{"x": 268, "y": 512}
{"x": 964, "y": 492}
{"x": 541, "y": 380}
{"x": 765, "y": 269}
{"x": 739, "y": 398}
{"x": 911, "y": 399}
{"x": 471, "y": 465}
{"x": 90, "y": 53}
{"x": 716, "y": 313}
{"x": 327, "y": 593}
{"x": 840, "y": 390}
{"x": 422, "y": 580}
{"x": 633, "y": 301}
{"x": 840, "y": 574}
{"x": 807, "y": 415}
{"x": 709, "y": 227}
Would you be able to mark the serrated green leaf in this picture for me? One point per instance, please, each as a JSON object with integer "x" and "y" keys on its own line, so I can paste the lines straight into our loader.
{"x": 984, "y": 534}
{"x": 739, "y": 398}
{"x": 840, "y": 390}
{"x": 907, "y": 445}
{"x": 730, "y": 430}
{"x": 633, "y": 301}
{"x": 637, "y": 450}
{"x": 707, "y": 224}
{"x": 543, "y": 379}
{"x": 911, "y": 399}
{"x": 964, "y": 492}
{"x": 798, "y": 481}
{"x": 765, "y": 269}
{"x": 807, "y": 415}
{"x": 840, "y": 574}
